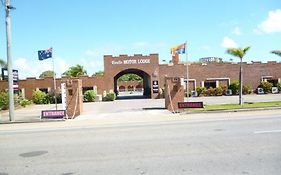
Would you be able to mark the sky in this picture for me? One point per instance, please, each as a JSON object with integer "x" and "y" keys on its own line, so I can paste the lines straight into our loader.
{"x": 81, "y": 32}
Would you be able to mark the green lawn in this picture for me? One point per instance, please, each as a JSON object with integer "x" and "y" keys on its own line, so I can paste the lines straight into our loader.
{"x": 237, "y": 106}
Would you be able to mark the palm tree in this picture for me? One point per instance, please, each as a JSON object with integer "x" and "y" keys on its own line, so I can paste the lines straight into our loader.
{"x": 277, "y": 52}
{"x": 239, "y": 52}
{"x": 3, "y": 64}
{"x": 75, "y": 71}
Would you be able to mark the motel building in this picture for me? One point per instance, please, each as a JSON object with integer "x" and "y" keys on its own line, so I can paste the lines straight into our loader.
{"x": 209, "y": 72}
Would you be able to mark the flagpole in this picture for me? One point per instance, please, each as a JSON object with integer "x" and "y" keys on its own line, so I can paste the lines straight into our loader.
{"x": 187, "y": 76}
{"x": 55, "y": 86}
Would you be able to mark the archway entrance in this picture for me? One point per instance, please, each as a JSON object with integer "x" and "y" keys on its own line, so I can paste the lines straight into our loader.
{"x": 146, "y": 79}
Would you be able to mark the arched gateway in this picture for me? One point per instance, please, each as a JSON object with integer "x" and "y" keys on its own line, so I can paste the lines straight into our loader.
{"x": 146, "y": 67}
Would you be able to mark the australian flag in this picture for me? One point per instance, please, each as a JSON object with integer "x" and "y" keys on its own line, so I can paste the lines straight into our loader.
{"x": 45, "y": 54}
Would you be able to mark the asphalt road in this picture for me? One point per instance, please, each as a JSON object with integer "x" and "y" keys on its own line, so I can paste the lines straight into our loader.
{"x": 235, "y": 143}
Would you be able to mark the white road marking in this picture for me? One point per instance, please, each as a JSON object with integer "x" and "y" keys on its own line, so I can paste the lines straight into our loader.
{"x": 264, "y": 132}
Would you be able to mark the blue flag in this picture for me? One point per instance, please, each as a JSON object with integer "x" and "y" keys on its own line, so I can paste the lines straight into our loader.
{"x": 45, "y": 54}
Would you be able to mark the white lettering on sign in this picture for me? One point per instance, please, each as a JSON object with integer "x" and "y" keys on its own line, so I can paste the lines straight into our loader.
{"x": 116, "y": 62}
{"x": 132, "y": 61}
{"x": 53, "y": 113}
{"x": 144, "y": 61}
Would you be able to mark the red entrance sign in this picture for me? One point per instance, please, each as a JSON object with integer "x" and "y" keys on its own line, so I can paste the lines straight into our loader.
{"x": 190, "y": 105}
{"x": 53, "y": 114}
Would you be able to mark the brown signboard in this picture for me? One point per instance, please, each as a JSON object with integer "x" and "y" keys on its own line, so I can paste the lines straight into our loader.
{"x": 53, "y": 114}
{"x": 190, "y": 105}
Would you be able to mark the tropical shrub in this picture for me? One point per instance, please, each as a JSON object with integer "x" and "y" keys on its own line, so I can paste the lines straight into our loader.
{"x": 4, "y": 100}
{"x": 210, "y": 91}
{"x": 224, "y": 89}
{"x": 218, "y": 91}
{"x": 109, "y": 96}
{"x": 201, "y": 91}
{"x": 246, "y": 89}
{"x": 267, "y": 86}
{"x": 234, "y": 86}
{"x": 89, "y": 96}
{"x": 25, "y": 102}
{"x": 39, "y": 97}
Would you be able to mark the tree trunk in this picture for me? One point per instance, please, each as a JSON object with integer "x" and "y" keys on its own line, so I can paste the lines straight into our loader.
{"x": 240, "y": 83}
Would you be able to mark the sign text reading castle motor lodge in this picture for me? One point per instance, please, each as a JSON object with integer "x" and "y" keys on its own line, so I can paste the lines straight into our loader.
{"x": 131, "y": 61}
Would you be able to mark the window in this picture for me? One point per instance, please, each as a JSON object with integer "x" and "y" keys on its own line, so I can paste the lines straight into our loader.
{"x": 44, "y": 90}
{"x": 209, "y": 84}
{"x": 84, "y": 89}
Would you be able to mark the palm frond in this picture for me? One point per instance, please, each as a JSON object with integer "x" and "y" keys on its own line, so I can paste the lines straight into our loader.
{"x": 277, "y": 52}
{"x": 238, "y": 52}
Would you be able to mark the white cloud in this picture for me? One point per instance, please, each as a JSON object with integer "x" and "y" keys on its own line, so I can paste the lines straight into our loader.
{"x": 236, "y": 31}
{"x": 60, "y": 66}
{"x": 257, "y": 32}
{"x": 272, "y": 23}
{"x": 21, "y": 63}
{"x": 206, "y": 47}
{"x": 34, "y": 68}
{"x": 228, "y": 43}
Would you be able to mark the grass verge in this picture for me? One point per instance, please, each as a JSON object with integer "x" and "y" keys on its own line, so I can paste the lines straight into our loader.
{"x": 237, "y": 106}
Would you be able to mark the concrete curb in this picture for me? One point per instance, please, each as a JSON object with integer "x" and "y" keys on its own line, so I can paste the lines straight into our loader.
{"x": 232, "y": 110}
{"x": 32, "y": 121}
{"x": 183, "y": 113}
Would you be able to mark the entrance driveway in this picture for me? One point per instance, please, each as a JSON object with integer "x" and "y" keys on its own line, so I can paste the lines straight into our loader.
{"x": 128, "y": 107}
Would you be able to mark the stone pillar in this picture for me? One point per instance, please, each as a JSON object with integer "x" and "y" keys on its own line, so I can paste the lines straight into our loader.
{"x": 74, "y": 97}
{"x": 174, "y": 93}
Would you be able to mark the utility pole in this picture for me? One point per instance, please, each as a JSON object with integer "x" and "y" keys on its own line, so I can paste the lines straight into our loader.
{"x": 8, "y": 7}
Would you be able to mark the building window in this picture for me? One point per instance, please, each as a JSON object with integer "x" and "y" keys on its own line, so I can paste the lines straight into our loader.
{"x": 274, "y": 82}
{"x": 209, "y": 84}
{"x": 44, "y": 90}
{"x": 84, "y": 89}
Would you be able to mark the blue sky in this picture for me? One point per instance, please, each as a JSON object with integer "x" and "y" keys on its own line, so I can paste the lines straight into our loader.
{"x": 81, "y": 32}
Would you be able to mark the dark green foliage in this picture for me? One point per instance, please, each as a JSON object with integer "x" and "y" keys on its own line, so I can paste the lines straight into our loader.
{"x": 234, "y": 86}
{"x": 130, "y": 77}
{"x": 89, "y": 96}
{"x": 277, "y": 52}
